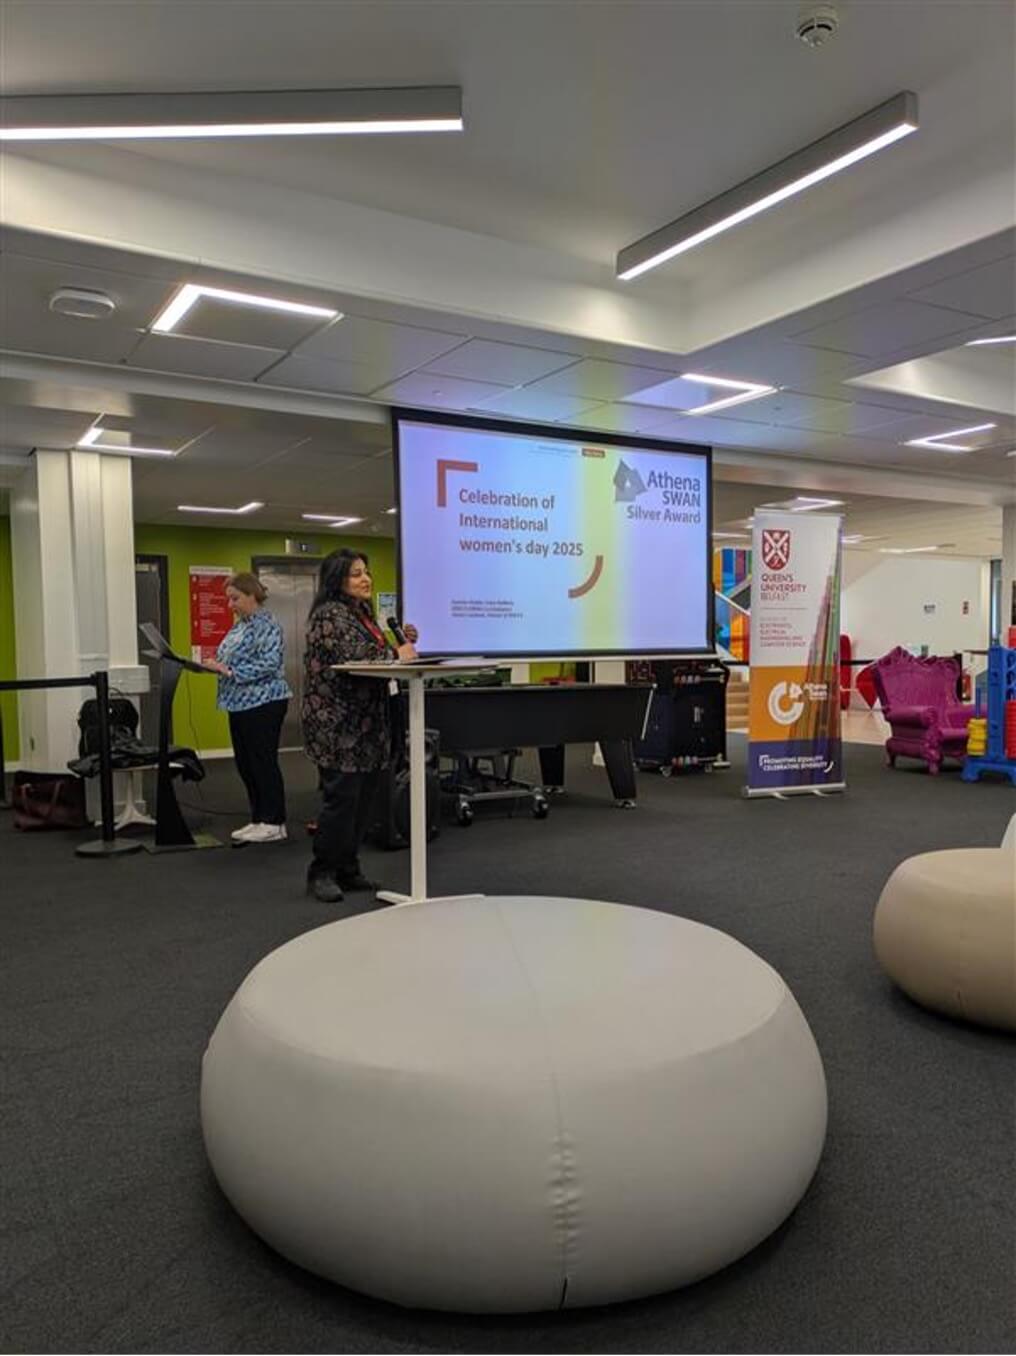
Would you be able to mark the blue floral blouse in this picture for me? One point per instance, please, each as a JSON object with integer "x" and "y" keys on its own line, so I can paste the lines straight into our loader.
{"x": 255, "y": 652}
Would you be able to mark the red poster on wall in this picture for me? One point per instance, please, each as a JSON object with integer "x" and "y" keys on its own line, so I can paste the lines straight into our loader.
{"x": 210, "y": 617}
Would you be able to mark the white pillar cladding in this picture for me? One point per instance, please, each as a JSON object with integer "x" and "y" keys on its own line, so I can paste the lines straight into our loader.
{"x": 1008, "y": 567}
{"x": 72, "y": 530}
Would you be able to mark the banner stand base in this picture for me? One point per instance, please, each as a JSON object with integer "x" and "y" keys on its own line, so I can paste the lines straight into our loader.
{"x": 781, "y": 792}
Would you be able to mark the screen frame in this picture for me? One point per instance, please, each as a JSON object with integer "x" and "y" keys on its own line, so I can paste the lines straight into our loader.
{"x": 565, "y": 433}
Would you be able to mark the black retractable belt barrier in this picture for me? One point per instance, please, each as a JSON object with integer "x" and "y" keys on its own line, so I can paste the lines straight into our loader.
{"x": 108, "y": 845}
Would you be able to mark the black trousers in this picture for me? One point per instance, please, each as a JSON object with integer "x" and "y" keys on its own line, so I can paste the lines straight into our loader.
{"x": 255, "y": 735}
{"x": 347, "y": 803}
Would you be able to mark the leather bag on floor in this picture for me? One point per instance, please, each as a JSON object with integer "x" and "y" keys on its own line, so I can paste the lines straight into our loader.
{"x": 48, "y": 800}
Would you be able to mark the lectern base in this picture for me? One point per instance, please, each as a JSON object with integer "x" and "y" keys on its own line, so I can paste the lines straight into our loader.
{"x": 118, "y": 847}
{"x": 201, "y": 840}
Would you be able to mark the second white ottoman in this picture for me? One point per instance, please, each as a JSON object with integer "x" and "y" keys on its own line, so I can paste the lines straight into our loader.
{"x": 506, "y": 1104}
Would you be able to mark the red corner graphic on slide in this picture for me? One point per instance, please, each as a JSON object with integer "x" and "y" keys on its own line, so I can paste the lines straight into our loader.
{"x": 591, "y": 582}
{"x": 443, "y": 467}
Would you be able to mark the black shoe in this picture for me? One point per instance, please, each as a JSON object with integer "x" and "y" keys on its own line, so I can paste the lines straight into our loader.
{"x": 325, "y": 889}
{"x": 359, "y": 882}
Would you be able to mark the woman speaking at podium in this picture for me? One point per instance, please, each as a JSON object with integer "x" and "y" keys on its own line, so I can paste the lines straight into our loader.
{"x": 346, "y": 719}
{"x": 254, "y": 693}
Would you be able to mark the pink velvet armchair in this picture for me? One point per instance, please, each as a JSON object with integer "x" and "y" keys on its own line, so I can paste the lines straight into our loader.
{"x": 919, "y": 701}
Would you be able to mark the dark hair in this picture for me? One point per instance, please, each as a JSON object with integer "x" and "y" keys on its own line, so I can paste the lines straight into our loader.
{"x": 248, "y": 583}
{"x": 333, "y": 575}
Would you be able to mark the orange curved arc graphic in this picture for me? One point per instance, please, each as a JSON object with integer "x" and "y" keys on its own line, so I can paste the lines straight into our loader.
{"x": 591, "y": 582}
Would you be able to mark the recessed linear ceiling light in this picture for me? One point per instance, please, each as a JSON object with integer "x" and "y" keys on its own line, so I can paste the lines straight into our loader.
{"x": 668, "y": 393}
{"x": 205, "y": 508}
{"x": 91, "y": 441}
{"x": 389, "y": 512}
{"x": 803, "y": 503}
{"x": 854, "y": 141}
{"x": 741, "y": 536}
{"x": 191, "y": 293}
{"x": 998, "y": 339}
{"x": 261, "y": 113}
{"x": 936, "y": 445}
{"x": 746, "y": 390}
{"x": 332, "y": 519}
{"x": 906, "y": 550}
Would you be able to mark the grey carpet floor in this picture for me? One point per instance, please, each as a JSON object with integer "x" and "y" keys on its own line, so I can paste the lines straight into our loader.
{"x": 114, "y": 1237}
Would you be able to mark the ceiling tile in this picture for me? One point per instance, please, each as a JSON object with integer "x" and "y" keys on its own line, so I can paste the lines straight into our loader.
{"x": 840, "y": 416}
{"x": 396, "y": 349}
{"x": 675, "y": 393}
{"x": 598, "y": 380}
{"x": 884, "y": 329}
{"x": 927, "y": 426}
{"x": 29, "y": 330}
{"x": 328, "y": 374}
{"x": 26, "y": 286}
{"x": 35, "y": 426}
{"x": 989, "y": 291}
{"x": 202, "y": 357}
{"x": 237, "y": 447}
{"x": 235, "y": 323}
{"x": 625, "y": 418}
{"x": 356, "y": 471}
{"x": 530, "y": 403}
{"x": 66, "y": 250}
{"x": 444, "y": 393}
{"x": 513, "y": 364}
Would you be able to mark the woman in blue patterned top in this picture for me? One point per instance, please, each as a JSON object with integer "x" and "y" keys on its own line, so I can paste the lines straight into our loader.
{"x": 253, "y": 691}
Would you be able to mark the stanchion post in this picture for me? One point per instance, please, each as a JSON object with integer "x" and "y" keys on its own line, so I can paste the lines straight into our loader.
{"x": 4, "y": 804}
{"x": 101, "y": 681}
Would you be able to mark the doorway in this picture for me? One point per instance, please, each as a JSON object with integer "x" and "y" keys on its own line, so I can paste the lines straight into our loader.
{"x": 291, "y": 585}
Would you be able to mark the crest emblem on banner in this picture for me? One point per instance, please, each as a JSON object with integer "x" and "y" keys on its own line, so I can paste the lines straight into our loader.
{"x": 776, "y": 548}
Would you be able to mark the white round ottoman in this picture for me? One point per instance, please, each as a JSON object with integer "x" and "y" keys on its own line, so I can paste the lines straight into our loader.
{"x": 511, "y": 1104}
{"x": 945, "y": 931}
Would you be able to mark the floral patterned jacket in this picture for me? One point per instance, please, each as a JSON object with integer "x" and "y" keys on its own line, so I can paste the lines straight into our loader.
{"x": 346, "y": 720}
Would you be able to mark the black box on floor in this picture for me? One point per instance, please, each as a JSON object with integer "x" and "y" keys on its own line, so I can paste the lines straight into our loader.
{"x": 687, "y": 723}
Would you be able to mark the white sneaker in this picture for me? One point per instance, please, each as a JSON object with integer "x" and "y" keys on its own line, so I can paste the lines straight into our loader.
{"x": 266, "y": 833}
{"x": 241, "y": 835}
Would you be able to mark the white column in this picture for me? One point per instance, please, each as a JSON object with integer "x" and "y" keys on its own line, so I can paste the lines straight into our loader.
{"x": 72, "y": 539}
{"x": 1008, "y": 617}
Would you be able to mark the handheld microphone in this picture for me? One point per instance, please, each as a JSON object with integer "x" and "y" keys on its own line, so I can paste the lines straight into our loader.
{"x": 395, "y": 627}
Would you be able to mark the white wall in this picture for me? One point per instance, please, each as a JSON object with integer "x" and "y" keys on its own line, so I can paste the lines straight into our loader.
{"x": 884, "y": 601}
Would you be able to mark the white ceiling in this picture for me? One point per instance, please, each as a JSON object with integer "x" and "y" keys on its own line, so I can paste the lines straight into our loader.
{"x": 588, "y": 124}
{"x": 474, "y": 272}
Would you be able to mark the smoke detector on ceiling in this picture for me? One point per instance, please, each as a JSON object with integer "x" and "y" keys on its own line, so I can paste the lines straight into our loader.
{"x": 85, "y": 304}
{"x": 817, "y": 23}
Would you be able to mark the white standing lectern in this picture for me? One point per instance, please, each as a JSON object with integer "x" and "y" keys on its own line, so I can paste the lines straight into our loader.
{"x": 414, "y": 674}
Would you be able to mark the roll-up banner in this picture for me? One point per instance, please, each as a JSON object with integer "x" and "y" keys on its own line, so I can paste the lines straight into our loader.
{"x": 794, "y": 743}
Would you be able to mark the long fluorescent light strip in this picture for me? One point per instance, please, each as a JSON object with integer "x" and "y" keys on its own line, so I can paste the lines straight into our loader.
{"x": 91, "y": 441}
{"x": 906, "y": 550}
{"x": 933, "y": 442}
{"x": 191, "y": 293}
{"x": 332, "y": 519}
{"x": 999, "y": 339}
{"x": 805, "y": 181}
{"x": 231, "y": 129}
{"x": 204, "y": 508}
{"x": 726, "y": 403}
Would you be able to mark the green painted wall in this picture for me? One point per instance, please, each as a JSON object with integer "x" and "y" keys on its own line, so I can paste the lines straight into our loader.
{"x": 8, "y": 657}
{"x": 195, "y": 718}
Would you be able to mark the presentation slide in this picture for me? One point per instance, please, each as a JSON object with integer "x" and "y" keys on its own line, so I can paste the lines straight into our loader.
{"x": 520, "y": 542}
